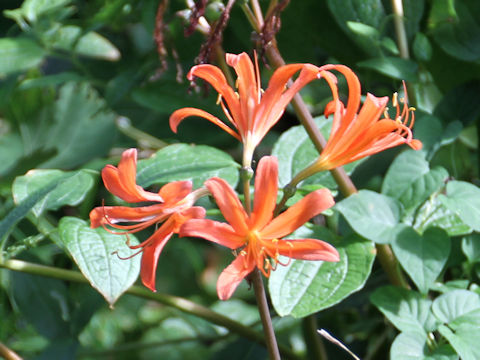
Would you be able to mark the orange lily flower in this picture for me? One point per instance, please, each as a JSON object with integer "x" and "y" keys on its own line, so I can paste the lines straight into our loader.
{"x": 174, "y": 207}
{"x": 257, "y": 235}
{"x": 358, "y": 133}
{"x": 251, "y": 111}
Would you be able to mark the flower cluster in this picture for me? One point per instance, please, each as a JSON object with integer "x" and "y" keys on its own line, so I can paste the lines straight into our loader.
{"x": 257, "y": 236}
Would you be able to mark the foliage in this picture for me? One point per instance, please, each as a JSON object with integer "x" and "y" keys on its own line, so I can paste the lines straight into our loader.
{"x": 80, "y": 81}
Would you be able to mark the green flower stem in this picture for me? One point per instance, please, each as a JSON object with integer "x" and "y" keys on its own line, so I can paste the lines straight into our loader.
{"x": 8, "y": 354}
{"x": 315, "y": 346}
{"x": 179, "y": 303}
{"x": 264, "y": 311}
{"x": 400, "y": 31}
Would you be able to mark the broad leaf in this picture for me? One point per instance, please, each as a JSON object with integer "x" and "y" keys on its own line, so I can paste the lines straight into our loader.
{"x": 305, "y": 287}
{"x": 464, "y": 339}
{"x": 91, "y": 44}
{"x": 422, "y": 256}
{"x": 84, "y": 127}
{"x": 187, "y": 162}
{"x": 471, "y": 247}
{"x": 454, "y": 304}
{"x": 97, "y": 254}
{"x": 71, "y": 189}
{"x": 463, "y": 199}
{"x": 434, "y": 214}
{"x": 410, "y": 180}
{"x": 372, "y": 215}
{"x": 407, "y": 346}
{"x": 19, "y": 54}
{"x": 394, "y": 67}
{"x": 295, "y": 151}
{"x": 407, "y": 310}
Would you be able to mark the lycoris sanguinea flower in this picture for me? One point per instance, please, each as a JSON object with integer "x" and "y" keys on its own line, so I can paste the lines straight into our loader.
{"x": 173, "y": 206}
{"x": 251, "y": 112}
{"x": 357, "y": 131}
{"x": 257, "y": 238}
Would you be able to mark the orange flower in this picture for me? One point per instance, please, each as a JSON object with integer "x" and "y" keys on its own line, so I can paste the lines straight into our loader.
{"x": 356, "y": 134}
{"x": 251, "y": 112}
{"x": 174, "y": 206}
{"x": 257, "y": 236}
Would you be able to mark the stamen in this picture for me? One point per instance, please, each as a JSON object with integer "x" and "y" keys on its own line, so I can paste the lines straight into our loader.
{"x": 394, "y": 99}
{"x": 219, "y": 99}
{"x": 128, "y": 257}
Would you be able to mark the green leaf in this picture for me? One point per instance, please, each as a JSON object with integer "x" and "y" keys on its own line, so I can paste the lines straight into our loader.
{"x": 407, "y": 346}
{"x": 90, "y": 44}
{"x": 413, "y": 12}
{"x": 422, "y": 49}
{"x": 32, "y": 10}
{"x": 471, "y": 247}
{"x": 84, "y": 127}
{"x": 394, "y": 67}
{"x": 456, "y": 28}
{"x": 295, "y": 151}
{"x": 372, "y": 215}
{"x": 463, "y": 199}
{"x": 305, "y": 287}
{"x": 434, "y": 214}
{"x": 422, "y": 256}
{"x": 19, "y": 54}
{"x": 410, "y": 180}
{"x": 368, "y": 12}
{"x": 187, "y": 162}
{"x": 407, "y": 310}
{"x": 43, "y": 302}
{"x": 454, "y": 304}
{"x": 464, "y": 339}
{"x": 93, "y": 252}
{"x": 363, "y": 29}
{"x": 50, "y": 80}
{"x": 11, "y": 151}
{"x": 71, "y": 189}
{"x": 17, "y": 214}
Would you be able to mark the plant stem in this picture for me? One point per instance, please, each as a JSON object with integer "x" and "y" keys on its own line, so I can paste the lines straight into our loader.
{"x": 270, "y": 339}
{"x": 179, "y": 303}
{"x": 400, "y": 31}
{"x": 8, "y": 354}
{"x": 315, "y": 345}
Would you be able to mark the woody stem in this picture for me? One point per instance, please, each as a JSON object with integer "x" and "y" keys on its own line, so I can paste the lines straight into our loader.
{"x": 264, "y": 311}
{"x": 384, "y": 252}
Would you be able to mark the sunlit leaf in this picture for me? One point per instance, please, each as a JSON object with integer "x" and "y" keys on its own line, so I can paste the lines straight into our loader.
{"x": 463, "y": 199}
{"x": 305, "y": 287}
{"x": 97, "y": 254}
{"x": 19, "y": 54}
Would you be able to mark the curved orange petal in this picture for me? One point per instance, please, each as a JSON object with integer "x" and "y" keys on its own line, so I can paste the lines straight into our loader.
{"x": 121, "y": 181}
{"x": 116, "y": 214}
{"x": 298, "y": 214}
{"x": 215, "y": 231}
{"x": 229, "y": 204}
{"x": 152, "y": 251}
{"x": 354, "y": 93}
{"x": 307, "y": 249}
{"x": 180, "y": 114}
{"x": 175, "y": 191}
{"x": 232, "y": 276}
{"x": 248, "y": 90}
{"x": 276, "y": 98}
{"x": 266, "y": 189}
{"x": 215, "y": 77}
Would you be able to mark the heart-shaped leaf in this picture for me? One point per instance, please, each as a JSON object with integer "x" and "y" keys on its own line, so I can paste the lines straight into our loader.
{"x": 463, "y": 199}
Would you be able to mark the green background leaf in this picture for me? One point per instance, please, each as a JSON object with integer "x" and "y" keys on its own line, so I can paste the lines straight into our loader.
{"x": 463, "y": 199}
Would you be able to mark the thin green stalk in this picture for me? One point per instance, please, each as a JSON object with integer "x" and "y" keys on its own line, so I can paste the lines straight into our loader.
{"x": 179, "y": 303}
{"x": 400, "y": 30}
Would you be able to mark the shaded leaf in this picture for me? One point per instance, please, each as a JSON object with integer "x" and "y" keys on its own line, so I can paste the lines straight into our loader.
{"x": 71, "y": 189}
{"x": 372, "y": 215}
{"x": 422, "y": 256}
{"x": 19, "y": 54}
{"x": 394, "y": 67}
